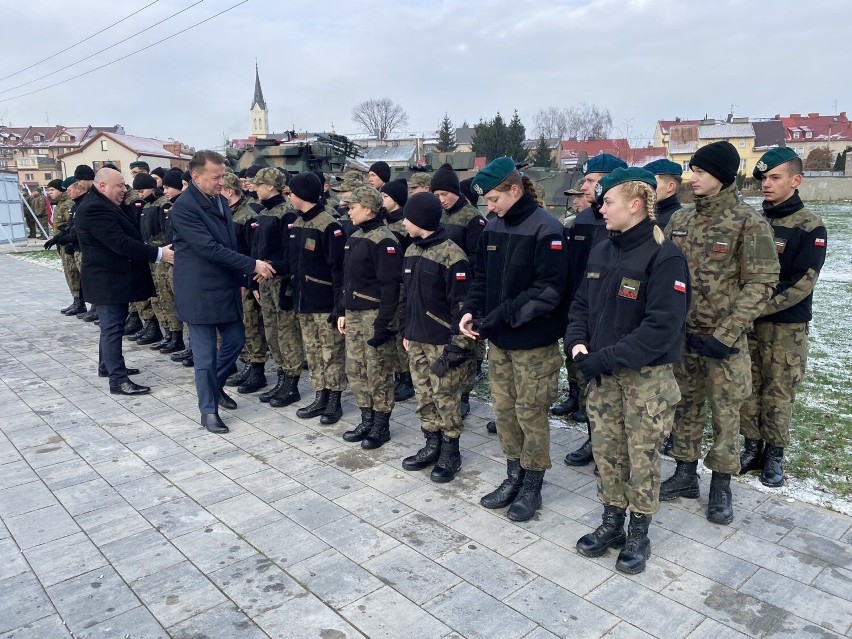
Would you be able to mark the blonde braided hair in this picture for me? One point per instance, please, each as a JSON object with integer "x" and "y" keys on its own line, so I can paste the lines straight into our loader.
{"x": 644, "y": 192}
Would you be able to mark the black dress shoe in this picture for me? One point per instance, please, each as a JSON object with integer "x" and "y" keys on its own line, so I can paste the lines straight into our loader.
{"x": 213, "y": 423}
{"x": 129, "y": 388}
{"x": 226, "y": 402}
{"x": 102, "y": 372}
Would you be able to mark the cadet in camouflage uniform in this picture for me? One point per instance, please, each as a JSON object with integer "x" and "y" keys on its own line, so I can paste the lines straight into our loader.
{"x": 341, "y": 210}
{"x": 315, "y": 269}
{"x": 436, "y": 280}
{"x": 419, "y": 183}
{"x": 37, "y": 203}
{"x": 394, "y": 197}
{"x": 778, "y": 343}
{"x": 584, "y": 234}
{"x": 464, "y": 225}
{"x": 517, "y": 302}
{"x": 269, "y": 243}
{"x": 367, "y": 315}
{"x": 625, "y": 331}
{"x": 733, "y": 268}
{"x": 61, "y": 214}
{"x": 255, "y": 352}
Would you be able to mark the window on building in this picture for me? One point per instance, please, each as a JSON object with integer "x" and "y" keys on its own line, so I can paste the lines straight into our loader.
{"x": 685, "y": 165}
{"x": 742, "y": 144}
{"x": 48, "y": 176}
{"x": 809, "y": 135}
{"x": 796, "y": 135}
{"x": 36, "y": 138}
{"x": 742, "y": 165}
{"x": 103, "y": 145}
{"x": 64, "y": 138}
{"x": 97, "y": 166}
{"x": 29, "y": 177}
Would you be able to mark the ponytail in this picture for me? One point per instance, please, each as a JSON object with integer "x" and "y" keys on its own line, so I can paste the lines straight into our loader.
{"x": 515, "y": 177}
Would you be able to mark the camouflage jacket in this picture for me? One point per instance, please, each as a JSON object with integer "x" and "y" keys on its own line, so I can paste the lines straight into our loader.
{"x": 395, "y": 224}
{"x": 800, "y": 240}
{"x": 62, "y": 212}
{"x": 464, "y": 224}
{"x": 243, "y": 215}
{"x": 436, "y": 279}
{"x": 732, "y": 263}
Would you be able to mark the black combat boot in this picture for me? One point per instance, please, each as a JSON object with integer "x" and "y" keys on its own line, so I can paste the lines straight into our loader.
{"x": 529, "y": 499}
{"x": 181, "y": 355}
{"x": 288, "y": 394}
{"x": 240, "y": 376}
{"x": 189, "y": 362}
{"x": 84, "y": 312}
{"x": 254, "y": 381}
{"x": 427, "y": 455}
{"x": 333, "y": 410}
{"x": 667, "y": 445}
{"x": 92, "y": 315}
{"x": 380, "y": 432}
{"x": 720, "y": 509}
{"x": 132, "y": 324}
{"x": 69, "y": 307}
{"x": 751, "y": 456}
{"x": 683, "y": 483}
{"x": 315, "y": 408}
{"x": 142, "y": 330}
{"x": 583, "y": 455}
{"x": 167, "y": 337}
{"x": 79, "y": 306}
{"x": 282, "y": 379}
{"x": 631, "y": 560}
{"x": 152, "y": 333}
{"x": 361, "y": 430}
{"x": 404, "y": 388}
{"x": 773, "y": 467}
{"x": 464, "y": 406}
{"x": 175, "y": 343}
{"x": 571, "y": 402}
{"x": 509, "y": 489}
{"x": 449, "y": 462}
{"x": 491, "y": 427}
{"x": 610, "y": 534}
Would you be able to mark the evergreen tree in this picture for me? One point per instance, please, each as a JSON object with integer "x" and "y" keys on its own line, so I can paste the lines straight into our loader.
{"x": 446, "y": 136}
{"x": 490, "y": 138}
{"x": 516, "y": 134}
{"x": 541, "y": 156}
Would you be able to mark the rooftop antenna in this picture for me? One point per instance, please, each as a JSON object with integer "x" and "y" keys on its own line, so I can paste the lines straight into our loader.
{"x": 47, "y": 117}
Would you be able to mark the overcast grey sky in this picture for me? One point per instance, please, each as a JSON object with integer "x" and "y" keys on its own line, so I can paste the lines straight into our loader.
{"x": 643, "y": 60}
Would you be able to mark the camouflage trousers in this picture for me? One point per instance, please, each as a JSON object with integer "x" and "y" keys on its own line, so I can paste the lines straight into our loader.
{"x": 282, "y": 329}
{"x": 144, "y": 309}
{"x": 401, "y": 359}
{"x": 576, "y": 375}
{"x": 630, "y": 413}
{"x": 523, "y": 386}
{"x": 369, "y": 370}
{"x": 164, "y": 303}
{"x": 256, "y": 351}
{"x": 779, "y": 356}
{"x": 438, "y": 398}
{"x": 324, "y": 347}
{"x": 726, "y": 384}
{"x": 72, "y": 273}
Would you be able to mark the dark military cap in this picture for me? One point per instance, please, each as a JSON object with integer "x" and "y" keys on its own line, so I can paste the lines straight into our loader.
{"x": 620, "y": 176}
{"x": 68, "y": 182}
{"x": 603, "y": 163}
{"x": 575, "y": 190}
{"x": 664, "y": 167}
{"x": 139, "y": 164}
{"x": 773, "y": 158}
{"x": 233, "y": 182}
{"x": 494, "y": 172}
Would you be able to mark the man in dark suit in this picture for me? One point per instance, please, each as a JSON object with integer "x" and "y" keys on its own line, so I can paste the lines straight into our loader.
{"x": 208, "y": 276}
{"x": 115, "y": 261}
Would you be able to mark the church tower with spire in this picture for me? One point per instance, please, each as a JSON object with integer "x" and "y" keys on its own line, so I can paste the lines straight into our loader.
{"x": 259, "y": 113}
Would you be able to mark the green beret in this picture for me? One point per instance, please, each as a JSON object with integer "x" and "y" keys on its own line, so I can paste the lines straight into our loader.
{"x": 603, "y": 163}
{"x": 492, "y": 175}
{"x": 368, "y": 197}
{"x": 773, "y": 158}
{"x": 68, "y": 182}
{"x": 620, "y": 176}
{"x": 664, "y": 167}
{"x": 270, "y": 176}
{"x": 139, "y": 164}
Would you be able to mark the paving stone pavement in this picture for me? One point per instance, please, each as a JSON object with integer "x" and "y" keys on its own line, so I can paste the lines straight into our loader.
{"x": 121, "y": 517}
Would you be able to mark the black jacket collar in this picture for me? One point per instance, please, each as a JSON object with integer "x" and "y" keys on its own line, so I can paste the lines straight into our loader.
{"x": 312, "y": 212}
{"x": 272, "y": 202}
{"x": 633, "y": 237}
{"x": 440, "y": 235}
{"x": 668, "y": 206}
{"x": 785, "y": 208}
{"x": 520, "y": 210}
{"x": 372, "y": 223}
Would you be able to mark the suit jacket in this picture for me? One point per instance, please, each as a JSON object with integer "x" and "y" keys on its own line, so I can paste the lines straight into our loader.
{"x": 209, "y": 270}
{"x": 115, "y": 259}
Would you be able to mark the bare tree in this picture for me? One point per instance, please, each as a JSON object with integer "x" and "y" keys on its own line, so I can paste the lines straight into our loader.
{"x": 552, "y": 122}
{"x": 581, "y": 122}
{"x": 379, "y": 116}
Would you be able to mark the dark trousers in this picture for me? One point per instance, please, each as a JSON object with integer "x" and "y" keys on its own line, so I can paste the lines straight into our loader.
{"x": 212, "y": 366}
{"x": 112, "y": 317}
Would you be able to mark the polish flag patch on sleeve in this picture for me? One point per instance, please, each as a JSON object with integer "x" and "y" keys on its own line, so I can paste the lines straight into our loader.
{"x": 482, "y": 222}
{"x": 391, "y": 249}
{"x": 820, "y": 241}
{"x": 679, "y": 286}
{"x": 556, "y": 245}
{"x": 338, "y": 233}
{"x": 461, "y": 276}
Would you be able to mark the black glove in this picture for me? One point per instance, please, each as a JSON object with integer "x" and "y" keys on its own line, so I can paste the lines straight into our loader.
{"x": 489, "y": 324}
{"x": 380, "y": 336}
{"x": 69, "y": 249}
{"x": 694, "y": 343}
{"x": 452, "y": 357}
{"x": 50, "y": 243}
{"x": 716, "y": 349}
{"x": 332, "y": 319}
{"x": 591, "y": 365}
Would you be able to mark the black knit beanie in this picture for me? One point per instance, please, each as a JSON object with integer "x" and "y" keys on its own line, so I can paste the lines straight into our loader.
{"x": 381, "y": 169}
{"x": 144, "y": 181}
{"x": 423, "y": 210}
{"x": 56, "y": 184}
{"x": 398, "y": 190}
{"x": 719, "y": 159}
{"x": 160, "y": 172}
{"x": 306, "y": 186}
{"x": 173, "y": 179}
{"x": 84, "y": 172}
{"x": 464, "y": 187}
{"x": 445, "y": 179}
